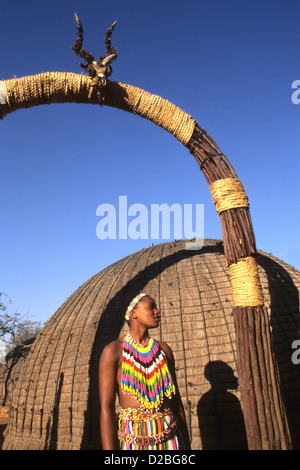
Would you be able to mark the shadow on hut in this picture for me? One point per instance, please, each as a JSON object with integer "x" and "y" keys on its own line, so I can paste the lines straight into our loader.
{"x": 220, "y": 415}
{"x": 52, "y": 425}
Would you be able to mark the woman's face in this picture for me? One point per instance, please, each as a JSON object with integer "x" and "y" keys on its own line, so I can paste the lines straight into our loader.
{"x": 147, "y": 312}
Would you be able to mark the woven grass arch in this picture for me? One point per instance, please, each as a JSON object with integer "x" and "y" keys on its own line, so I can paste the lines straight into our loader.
{"x": 264, "y": 413}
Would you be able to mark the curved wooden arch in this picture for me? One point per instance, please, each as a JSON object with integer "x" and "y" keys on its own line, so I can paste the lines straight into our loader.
{"x": 265, "y": 417}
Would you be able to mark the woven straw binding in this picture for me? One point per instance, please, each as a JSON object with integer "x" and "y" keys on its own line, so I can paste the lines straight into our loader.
{"x": 245, "y": 283}
{"x": 228, "y": 194}
{"x": 161, "y": 112}
{"x": 60, "y": 87}
{"x": 45, "y": 88}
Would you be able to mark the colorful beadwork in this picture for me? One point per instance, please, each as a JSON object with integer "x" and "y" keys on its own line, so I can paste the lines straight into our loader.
{"x": 132, "y": 305}
{"x": 147, "y": 430}
{"x": 145, "y": 373}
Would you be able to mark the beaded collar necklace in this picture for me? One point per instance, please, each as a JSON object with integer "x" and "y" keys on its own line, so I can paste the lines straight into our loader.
{"x": 145, "y": 373}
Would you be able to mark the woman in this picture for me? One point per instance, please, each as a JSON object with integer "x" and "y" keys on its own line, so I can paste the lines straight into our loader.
{"x": 142, "y": 372}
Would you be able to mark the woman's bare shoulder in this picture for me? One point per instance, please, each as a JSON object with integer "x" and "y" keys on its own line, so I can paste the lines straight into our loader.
{"x": 112, "y": 350}
{"x": 166, "y": 349}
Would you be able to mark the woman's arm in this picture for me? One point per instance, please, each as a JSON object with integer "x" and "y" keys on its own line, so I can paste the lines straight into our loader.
{"x": 107, "y": 389}
{"x": 176, "y": 402}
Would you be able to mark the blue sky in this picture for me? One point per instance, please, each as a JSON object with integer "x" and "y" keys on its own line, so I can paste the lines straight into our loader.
{"x": 230, "y": 64}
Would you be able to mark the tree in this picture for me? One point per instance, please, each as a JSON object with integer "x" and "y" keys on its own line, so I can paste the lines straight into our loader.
{"x": 15, "y": 329}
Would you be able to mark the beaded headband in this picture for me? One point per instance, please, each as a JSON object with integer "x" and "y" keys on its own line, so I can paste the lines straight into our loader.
{"x": 132, "y": 305}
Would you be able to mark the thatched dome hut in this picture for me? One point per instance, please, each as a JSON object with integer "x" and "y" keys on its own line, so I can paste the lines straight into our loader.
{"x": 9, "y": 375}
{"x": 55, "y": 403}
{"x": 11, "y": 369}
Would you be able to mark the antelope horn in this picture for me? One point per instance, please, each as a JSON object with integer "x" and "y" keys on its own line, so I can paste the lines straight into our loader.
{"x": 108, "y": 60}
{"x": 77, "y": 46}
{"x": 78, "y": 21}
{"x": 109, "y": 48}
{"x": 80, "y": 32}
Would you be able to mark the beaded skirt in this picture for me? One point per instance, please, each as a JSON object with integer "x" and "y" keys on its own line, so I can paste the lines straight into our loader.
{"x": 147, "y": 430}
